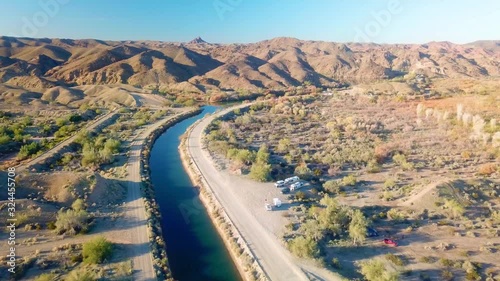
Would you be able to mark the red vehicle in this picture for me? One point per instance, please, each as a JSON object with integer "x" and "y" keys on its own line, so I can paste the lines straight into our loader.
{"x": 390, "y": 242}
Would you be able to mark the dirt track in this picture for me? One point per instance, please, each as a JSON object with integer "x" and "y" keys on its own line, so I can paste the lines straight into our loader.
{"x": 51, "y": 152}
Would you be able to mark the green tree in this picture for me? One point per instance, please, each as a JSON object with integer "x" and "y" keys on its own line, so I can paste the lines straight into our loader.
{"x": 333, "y": 217}
{"x": 97, "y": 250}
{"x": 304, "y": 247}
{"x": 263, "y": 154}
{"x": 303, "y": 171}
{"x": 358, "y": 227}
{"x": 332, "y": 186}
{"x": 260, "y": 171}
{"x": 312, "y": 229}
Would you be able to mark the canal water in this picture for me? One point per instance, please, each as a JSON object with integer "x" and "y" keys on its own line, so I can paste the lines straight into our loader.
{"x": 194, "y": 248}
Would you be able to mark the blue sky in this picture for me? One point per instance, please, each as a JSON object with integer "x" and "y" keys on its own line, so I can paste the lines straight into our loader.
{"x": 241, "y": 21}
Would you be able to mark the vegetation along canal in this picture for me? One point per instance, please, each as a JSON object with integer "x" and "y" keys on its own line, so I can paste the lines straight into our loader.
{"x": 194, "y": 248}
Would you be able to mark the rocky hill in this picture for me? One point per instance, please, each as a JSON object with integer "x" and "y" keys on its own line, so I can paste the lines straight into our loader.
{"x": 35, "y": 64}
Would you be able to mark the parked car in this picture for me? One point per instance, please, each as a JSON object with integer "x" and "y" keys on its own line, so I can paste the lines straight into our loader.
{"x": 276, "y": 202}
{"x": 285, "y": 190}
{"x": 279, "y": 184}
{"x": 390, "y": 242}
{"x": 371, "y": 232}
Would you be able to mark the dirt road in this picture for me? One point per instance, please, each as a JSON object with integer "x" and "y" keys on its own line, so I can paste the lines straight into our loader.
{"x": 276, "y": 261}
{"x": 135, "y": 211}
{"x": 51, "y": 152}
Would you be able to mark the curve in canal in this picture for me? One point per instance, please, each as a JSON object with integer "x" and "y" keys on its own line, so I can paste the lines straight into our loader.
{"x": 194, "y": 248}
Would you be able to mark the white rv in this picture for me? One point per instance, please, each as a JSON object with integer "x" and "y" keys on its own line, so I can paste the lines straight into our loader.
{"x": 296, "y": 186}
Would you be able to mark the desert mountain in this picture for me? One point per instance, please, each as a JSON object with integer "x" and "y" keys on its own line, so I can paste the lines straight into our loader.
{"x": 197, "y": 65}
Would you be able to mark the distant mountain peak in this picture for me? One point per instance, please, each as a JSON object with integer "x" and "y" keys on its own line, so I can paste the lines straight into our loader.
{"x": 197, "y": 40}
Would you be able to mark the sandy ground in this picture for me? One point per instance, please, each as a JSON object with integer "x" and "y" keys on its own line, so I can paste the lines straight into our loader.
{"x": 243, "y": 200}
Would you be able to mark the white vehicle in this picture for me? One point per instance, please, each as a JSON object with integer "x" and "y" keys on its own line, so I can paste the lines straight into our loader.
{"x": 268, "y": 207}
{"x": 277, "y": 202}
{"x": 292, "y": 179}
{"x": 296, "y": 186}
{"x": 279, "y": 183}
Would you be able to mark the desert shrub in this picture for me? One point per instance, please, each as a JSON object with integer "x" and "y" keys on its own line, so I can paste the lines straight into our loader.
{"x": 388, "y": 196}
{"x": 66, "y": 159}
{"x": 390, "y": 183}
{"x": 446, "y": 262}
{"x": 373, "y": 166}
{"x": 65, "y": 131}
{"x": 400, "y": 160}
{"x": 455, "y": 209}
{"x": 80, "y": 275}
{"x": 97, "y": 250}
{"x": 349, "y": 180}
{"x": 396, "y": 260}
{"x": 447, "y": 275}
{"x": 46, "y": 277}
{"x": 72, "y": 222}
{"x": 51, "y": 225}
{"x": 4, "y": 139}
{"x": 381, "y": 152}
{"x": 395, "y": 215}
{"x": 75, "y": 118}
{"x": 283, "y": 145}
{"x": 375, "y": 270}
{"x": 336, "y": 263}
{"x": 78, "y": 205}
{"x": 125, "y": 268}
{"x": 300, "y": 196}
{"x": 304, "y": 247}
{"x": 76, "y": 258}
{"x": 487, "y": 169}
{"x": 28, "y": 149}
{"x": 472, "y": 275}
{"x": 112, "y": 145}
{"x": 90, "y": 155}
{"x": 426, "y": 259}
{"x": 61, "y": 121}
{"x": 332, "y": 186}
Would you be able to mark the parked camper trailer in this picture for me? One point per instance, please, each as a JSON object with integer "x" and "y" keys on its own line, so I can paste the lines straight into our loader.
{"x": 296, "y": 186}
{"x": 279, "y": 184}
{"x": 291, "y": 180}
